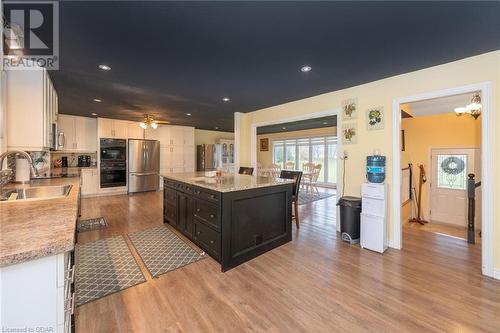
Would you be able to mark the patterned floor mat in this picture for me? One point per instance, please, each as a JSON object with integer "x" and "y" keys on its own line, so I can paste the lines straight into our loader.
{"x": 162, "y": 251}
{"x": 92, "y": 224}
{"x": 104, "y": 267}
{"x": 305, "y": 198}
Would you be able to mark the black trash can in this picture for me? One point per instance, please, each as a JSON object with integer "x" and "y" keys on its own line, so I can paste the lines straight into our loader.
{"x": 350, "y": 210}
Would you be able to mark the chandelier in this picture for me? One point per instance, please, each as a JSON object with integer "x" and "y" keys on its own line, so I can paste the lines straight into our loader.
{"x": 474, "y": 108}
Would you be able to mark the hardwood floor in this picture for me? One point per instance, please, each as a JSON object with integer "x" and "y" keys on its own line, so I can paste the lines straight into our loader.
{"x": 316, "y": 283}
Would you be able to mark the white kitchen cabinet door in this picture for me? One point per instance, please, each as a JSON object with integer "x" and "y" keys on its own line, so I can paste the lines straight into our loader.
{"x": 188, "y": 136}
{"x": 176, "y": 156}
{"x": 120, "y": 129}
{"x": 164, "y": 157}
{"x": 105, "y": 127}
{"x": 90, "y": 181}
{"x": 85, "y": 134}
{"x": 67, "y": 127}
{"x": 152, "y": 134}
{"x": 176, "y": 135}
{"x": 134, "y": 131}
{"x": 188, "y": 156}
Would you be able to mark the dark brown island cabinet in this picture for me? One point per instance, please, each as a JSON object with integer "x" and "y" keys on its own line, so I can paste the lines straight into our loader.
{"x": 233, "y": 218}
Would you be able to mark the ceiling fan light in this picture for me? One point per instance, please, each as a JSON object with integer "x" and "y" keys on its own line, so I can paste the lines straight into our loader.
{"x": 154, "y": 125}
{"x": 460, "y": 110}
{"x": 474, "y": 106}
{"x": 143, "y": 125}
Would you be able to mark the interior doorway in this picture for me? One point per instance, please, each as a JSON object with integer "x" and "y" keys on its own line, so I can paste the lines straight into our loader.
{"x": 306, "y": 144}
{"x": 444, "y": 175}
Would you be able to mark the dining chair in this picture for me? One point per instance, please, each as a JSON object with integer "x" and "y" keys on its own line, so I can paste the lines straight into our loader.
{"x": 315, "y": 177}
{"x": 308, "y": 170}
{"x": 290, "y": 165}
{"x": 246, "y": 171}
{"x": 297, "y": 177}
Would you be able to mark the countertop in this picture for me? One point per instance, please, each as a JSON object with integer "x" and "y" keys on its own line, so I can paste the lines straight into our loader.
{"x": 33, "y": 229}
{"x": 229, "y": 182}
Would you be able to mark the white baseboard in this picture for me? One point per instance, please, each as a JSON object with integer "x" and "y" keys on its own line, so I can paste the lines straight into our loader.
{"x": 496, "y": 273}
{"x": 390, "y": 244}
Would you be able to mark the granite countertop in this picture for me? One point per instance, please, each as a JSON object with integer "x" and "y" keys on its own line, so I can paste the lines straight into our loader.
{"x": 229, "y": 182}
{"x": 33, "y": 229}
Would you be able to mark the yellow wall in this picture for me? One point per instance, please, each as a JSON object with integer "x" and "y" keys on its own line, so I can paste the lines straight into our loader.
{"x": 482, "y": 68}
{"x": 436, "y": 131}
{"x": 266, "y": 157}
{"x": 208, "y": 137}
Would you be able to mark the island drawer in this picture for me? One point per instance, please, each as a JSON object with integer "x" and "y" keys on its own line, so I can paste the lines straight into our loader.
{"x": 208, "y": 239}
{"x": 206, "y": 195}
{"x": 170, "y": 183}
{"x": 207, "y": 213}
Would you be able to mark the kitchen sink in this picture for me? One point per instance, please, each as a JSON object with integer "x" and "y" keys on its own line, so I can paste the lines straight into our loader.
{"x": 35, "y": 193}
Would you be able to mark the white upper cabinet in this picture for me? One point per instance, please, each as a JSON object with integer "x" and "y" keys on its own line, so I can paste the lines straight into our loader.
{"x": 32, "y": 108}
{"x": 112, "y": 128}
{"x": 134, "y": 131}
{"x": 188, "y": 136}
{"x": 80, "y": 133}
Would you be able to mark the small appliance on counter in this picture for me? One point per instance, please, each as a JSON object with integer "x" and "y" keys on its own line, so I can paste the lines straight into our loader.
{"x": 84, "y": 160}
{"x": 64, "y": 162}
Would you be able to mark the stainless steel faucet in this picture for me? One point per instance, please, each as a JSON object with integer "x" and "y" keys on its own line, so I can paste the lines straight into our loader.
{"x": 34, "y": 172}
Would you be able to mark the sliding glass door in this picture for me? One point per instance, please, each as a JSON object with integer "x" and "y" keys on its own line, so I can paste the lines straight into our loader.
{"x": 317, "y": 150}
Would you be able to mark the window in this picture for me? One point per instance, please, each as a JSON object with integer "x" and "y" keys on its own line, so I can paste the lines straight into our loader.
{"x": 318, "y": 150}
{"x": 452, "y": 171}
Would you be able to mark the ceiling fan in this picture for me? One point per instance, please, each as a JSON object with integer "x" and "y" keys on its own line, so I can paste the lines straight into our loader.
{"x": 149, "y": 121}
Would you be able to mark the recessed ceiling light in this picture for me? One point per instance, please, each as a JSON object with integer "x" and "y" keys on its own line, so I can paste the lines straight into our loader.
{"x": 97, "y": 100}
{"x": 188, "y": 114}
{"x": 94, "y": 114}
{"x": 305, "y": 69}
{"x": 104, "y": 67}
{"x": 225, "y": 99}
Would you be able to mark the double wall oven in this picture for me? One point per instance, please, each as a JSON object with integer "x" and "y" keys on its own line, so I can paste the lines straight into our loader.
{"x": 113, "y": 156}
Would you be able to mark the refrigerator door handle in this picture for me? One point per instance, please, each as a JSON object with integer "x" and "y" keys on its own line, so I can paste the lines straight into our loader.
{"x": 140, "y": 174}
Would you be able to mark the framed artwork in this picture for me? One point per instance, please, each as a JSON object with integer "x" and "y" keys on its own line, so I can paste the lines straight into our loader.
{"x": 403, "y": 146}
{"x": 375, "y": 118}
{"x": 350, "y": 109}
{"x": 264, "y": 144}
{"x": 349, "y": 133}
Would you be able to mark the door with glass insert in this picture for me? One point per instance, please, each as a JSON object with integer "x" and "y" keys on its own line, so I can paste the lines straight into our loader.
{"x": 448, "y": 195}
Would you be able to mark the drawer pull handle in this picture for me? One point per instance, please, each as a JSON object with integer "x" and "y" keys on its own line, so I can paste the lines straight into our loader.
{"x": 198, "y": 209}
{"x": 211, "y": 242}
{"x": 198, "y": 233}
{"x": 212, "y": 216}
{"x": 70, "y": 300}
{"x": 70, "y": 274}
{"x": 197, "y": 192}
{"x": 212, "y": 196}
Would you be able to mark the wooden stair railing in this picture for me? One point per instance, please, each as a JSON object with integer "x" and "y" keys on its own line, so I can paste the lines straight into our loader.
{"x": 471, "y": 196}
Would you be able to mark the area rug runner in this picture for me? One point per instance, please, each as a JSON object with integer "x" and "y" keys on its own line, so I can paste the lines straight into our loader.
{"x": 91, "y": 224}
{"x": 305, "y": 198}
{"x": 162, "y": 251}
{"x": 104, "y": 267}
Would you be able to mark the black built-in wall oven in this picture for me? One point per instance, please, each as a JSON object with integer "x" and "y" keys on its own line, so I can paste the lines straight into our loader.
{"x": 113, "y": 156}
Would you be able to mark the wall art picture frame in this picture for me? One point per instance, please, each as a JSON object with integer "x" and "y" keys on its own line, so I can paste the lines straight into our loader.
{"x": 350, "y": 109}
{"x": 264, "y": 144}
{"x": 349, "y": 133}
{"x": 375, "y": 118}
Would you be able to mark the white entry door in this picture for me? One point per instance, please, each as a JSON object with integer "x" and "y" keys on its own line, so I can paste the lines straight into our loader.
{"x": 448, "y": 195}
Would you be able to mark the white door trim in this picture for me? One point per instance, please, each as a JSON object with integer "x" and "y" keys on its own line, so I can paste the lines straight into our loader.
{"x": 486, "y": 163}
{"x": 331, "y": 112}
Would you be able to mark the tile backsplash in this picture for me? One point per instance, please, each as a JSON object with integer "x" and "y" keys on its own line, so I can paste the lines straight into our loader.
{"x": 72, "y": 157}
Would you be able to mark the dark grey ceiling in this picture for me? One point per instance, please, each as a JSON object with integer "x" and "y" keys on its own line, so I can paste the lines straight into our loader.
{"x": 173, "y": 58}
{"x": 299, "y": 125}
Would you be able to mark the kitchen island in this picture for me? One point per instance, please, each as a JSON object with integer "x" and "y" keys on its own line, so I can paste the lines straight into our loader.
{"x": 233, "y": 218}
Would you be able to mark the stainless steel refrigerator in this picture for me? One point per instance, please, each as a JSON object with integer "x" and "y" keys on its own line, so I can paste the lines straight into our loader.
{"x": 208, "y": 157}
{"x": 143, "y": 165}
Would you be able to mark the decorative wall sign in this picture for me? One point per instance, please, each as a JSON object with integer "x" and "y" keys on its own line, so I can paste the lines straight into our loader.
{"x": 375, "y": 118}
{"x": 350, "y": 109}
{"x": 349, "y": 133}
{"x": 264, "y": 144}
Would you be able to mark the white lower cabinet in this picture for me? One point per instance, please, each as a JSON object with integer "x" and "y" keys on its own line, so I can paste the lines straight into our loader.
{"x": 38, "y": 295}
{"x": 90, "y": 181}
